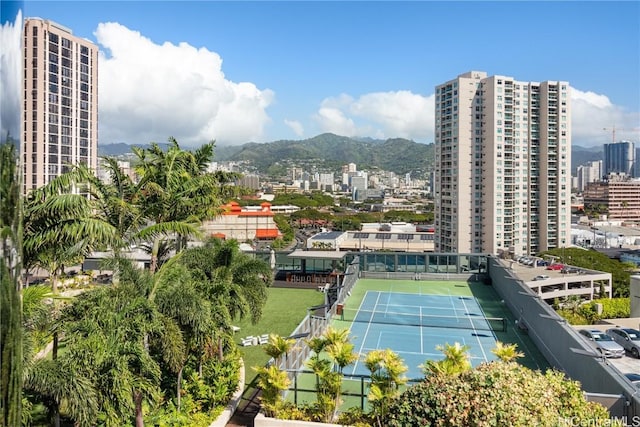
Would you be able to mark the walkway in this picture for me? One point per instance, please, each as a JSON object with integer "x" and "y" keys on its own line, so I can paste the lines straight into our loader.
{"x": 246, "y": 412}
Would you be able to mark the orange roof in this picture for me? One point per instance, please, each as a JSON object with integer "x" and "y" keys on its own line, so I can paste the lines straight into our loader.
{"x": 267, "y": 233}
{"x": 219, "y": 235}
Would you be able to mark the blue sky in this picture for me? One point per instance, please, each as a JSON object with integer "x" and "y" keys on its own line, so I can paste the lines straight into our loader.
{"x": 241, "y": 71}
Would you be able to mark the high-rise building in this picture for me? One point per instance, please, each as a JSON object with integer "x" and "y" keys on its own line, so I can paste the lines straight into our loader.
{"x": 503, "y": 162}
{"x": 620, "y": 157}
{"x": 590, "y": 172}
{"x": 60, "y": 102}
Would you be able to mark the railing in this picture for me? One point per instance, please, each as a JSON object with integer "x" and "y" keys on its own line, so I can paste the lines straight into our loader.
{"x": 314, "y": 324}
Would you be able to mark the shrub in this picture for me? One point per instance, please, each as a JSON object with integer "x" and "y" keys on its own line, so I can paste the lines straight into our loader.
{"x": 614, "y": 308}
{"x": 497, "y": 393}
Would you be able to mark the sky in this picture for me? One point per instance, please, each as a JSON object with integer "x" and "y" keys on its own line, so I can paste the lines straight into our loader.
{"x": 259, "y": 71}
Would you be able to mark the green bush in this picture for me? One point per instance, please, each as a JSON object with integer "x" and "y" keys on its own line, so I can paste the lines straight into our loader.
{"x": 498, "y": 394}
{"x": 614, "y": 308}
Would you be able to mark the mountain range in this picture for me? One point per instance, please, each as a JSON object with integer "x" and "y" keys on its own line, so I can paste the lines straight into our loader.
{"x": 329, "y": 152}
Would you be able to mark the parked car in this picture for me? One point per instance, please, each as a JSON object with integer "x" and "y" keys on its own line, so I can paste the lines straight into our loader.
{"x": 541, "y": 277}
{"x": 543, "y": 263}
{"x": 628, "y": 338}
{"x": 602, "y": 343}
{"x": 555, "y": 267}
{"x": 634, "y": 378}
{"x": 567, "y": 270}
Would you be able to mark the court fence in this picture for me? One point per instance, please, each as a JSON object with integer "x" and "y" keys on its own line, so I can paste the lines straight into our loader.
{"x": 317, "y": 320}
{"x": 353, "y": 385}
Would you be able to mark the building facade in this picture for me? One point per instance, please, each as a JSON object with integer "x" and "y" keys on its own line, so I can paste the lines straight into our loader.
{"x": 60, "y": 102}
{"x": 620, "y": 157}
{"x": 503, "y": 159}
{"x": 242, "y": 224}
{"x": 618, "y": 196}
{"x": 590, "y": 172}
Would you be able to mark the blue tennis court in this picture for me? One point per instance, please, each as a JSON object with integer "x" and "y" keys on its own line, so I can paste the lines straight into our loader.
{"x": 412, "y": 325}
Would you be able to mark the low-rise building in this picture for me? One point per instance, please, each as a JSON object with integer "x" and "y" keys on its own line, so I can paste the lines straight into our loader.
{"x": 248, "y": 223}
{"x": 618, "y": 195}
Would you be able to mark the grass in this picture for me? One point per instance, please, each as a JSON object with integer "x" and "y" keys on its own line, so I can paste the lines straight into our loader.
{"x": 284, "y": 310}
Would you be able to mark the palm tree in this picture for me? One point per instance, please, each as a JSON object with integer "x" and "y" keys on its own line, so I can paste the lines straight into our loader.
{"x": 10, "y": 268}
{"x": 235, "y": 283}
{"x": 60, "y": 227}
{"x": 176, "y": 193}
{"x": 62, "y": 388}
{"x": 456, "y": 360}
{"x": 387, "y": 375}
{"x": 179, "y": 299}
{"x": 119, "y": 335}
{"x": 507, "y": 352}
{"x": 342, "y": 354}
{"x": 278, "y": 346}
{"x": 272, "y": 381}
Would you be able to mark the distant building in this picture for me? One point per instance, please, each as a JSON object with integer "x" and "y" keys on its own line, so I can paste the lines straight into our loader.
{"x": 620, "y": 157}
{"x": 359, "y": 185}
{"x": 618, "y": 195}
{"x": 502, "y": 161}
{"x": 392, "y": 237}
{"x": 249, "y": 223}
{"x": 250, "y": 181}
{"x": 60, "y": 102}
{"x": 591, "y": 172}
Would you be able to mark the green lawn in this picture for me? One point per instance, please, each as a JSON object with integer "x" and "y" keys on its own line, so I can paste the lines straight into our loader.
{"x": 284, "y": 310}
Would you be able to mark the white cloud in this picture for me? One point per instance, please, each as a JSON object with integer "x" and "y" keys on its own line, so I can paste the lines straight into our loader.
{"x": 295, "y": 126}
{"x": 333, "y": 119}
{"x": 149, "y": 92}
{"x": 594, "y": 117}
{"x": 408, "y": 115}
{"x": 381, "y": 115}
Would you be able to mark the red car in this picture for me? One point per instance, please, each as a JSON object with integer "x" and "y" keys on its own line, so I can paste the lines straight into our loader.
{"x": 555, "y": 267}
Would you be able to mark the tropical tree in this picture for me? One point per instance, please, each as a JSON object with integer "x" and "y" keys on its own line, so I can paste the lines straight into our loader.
{"x": 235, "y": 283}
{"x": 272, "y": 381}
{"x": 62, "y": 388}
{"x": 62, "y": 226}
{"x": 122, "y": 339}
{"x": 180, "y": 300}
{"x": 456, "y": 360}
{"x": 507, "y": 352}
{"x": 387, "y": 376}
{"x": 176, "y": 192}
{"x": 278, "y": 346}
{"x": 10, "y": 284}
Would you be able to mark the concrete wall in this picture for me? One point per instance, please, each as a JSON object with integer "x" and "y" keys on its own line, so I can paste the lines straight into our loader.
{"x": 559, "y": 342}
{"x": 262, "y": 421}
{"x": 634, "y": 296}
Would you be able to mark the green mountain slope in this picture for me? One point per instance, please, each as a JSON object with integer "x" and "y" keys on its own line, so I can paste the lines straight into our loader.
{"x": 331, "y": 151}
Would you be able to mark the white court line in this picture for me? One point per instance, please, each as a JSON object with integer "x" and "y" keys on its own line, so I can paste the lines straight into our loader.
{"x": 453, "y": 306}
{"x": 366, "y": 333}
{"x": 484, "y": 354}
{"x": 421, "y": 333}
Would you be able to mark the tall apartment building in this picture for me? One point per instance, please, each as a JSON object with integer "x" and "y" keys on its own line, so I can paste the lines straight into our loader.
{"x": 620, "y": 157}
{"x": 503, "y": 159}
{"x": 60, "y": 102}
{"x": 590, "y": 172}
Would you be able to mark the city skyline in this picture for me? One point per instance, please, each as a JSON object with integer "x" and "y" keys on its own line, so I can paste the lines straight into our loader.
{"x": 238, "y": 72}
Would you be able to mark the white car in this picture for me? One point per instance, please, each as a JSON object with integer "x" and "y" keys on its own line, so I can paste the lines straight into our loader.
{"x": 541, "y": 277}
{"x": 602, "y": 343}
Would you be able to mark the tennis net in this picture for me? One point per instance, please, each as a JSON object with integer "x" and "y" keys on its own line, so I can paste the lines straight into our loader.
{"x": 481, "y": 323}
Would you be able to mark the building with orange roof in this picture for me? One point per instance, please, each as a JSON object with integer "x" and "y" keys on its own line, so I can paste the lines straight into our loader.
{"x": 242, "y": 224}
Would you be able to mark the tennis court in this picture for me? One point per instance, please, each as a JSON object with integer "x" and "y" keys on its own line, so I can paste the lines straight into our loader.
{"x": 413, "y": 325}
